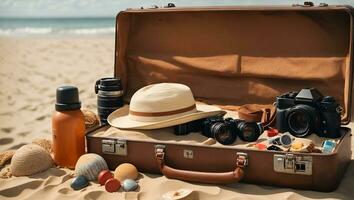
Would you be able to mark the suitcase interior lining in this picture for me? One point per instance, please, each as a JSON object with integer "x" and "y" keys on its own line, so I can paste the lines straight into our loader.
{"x": 236, "y": 57}
{"x": 160, "y": 136}
{"x": 166, "y": 135}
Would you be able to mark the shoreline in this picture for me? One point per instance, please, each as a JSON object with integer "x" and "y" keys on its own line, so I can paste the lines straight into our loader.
{"x": 59, "y": 36}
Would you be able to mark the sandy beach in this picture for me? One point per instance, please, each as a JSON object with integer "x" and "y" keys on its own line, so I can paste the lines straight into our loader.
{"x": 31, "y": 68}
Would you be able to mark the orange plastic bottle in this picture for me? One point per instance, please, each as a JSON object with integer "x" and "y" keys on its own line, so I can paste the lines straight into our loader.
{"x": 68, "y": 128}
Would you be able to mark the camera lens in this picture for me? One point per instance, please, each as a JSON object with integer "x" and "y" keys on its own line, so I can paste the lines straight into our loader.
{"x": 299, "y": 122}
{"x": 223, "y": 133}
{"x": 249, "y": 131}
{"x": 208, "y": 123}
{"x": 109, "y": 97}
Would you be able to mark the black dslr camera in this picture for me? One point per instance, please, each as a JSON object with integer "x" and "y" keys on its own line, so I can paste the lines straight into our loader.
{"x": 222, "y": 130}
{"x": 225, "y": 131}
{"x": 305, "y": 112}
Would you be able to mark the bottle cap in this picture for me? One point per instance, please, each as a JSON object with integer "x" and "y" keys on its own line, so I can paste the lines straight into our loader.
{"x": 67, "y": 98}
{"x": 271, "y": 132}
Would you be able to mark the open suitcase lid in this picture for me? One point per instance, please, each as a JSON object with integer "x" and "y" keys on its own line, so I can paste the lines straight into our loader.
{"x": 238, "y": 55}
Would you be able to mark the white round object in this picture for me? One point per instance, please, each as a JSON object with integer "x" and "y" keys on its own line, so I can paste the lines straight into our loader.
{"x": 30, "y": 159}
{"x": 90, "y": 165}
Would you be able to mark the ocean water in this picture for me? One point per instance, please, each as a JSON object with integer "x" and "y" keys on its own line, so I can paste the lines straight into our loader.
{"x": 65, "y": 17}
{"x": 57, "y": 26}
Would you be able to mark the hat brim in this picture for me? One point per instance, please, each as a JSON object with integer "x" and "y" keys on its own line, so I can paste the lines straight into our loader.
{"x": 120, "y": 119}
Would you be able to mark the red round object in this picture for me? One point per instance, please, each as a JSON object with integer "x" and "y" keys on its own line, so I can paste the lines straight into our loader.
{"x": 261, "y": 146}
{"x": 271, "y": 132}
{"x": 112, "y": 185}
{"x": 103, "y": 176}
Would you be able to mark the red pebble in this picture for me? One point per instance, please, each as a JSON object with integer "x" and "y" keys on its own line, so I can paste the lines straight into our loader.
{"x": 103, "y": 176}
{"x": 112, "y": 185}
{"x": 271, "y": 132}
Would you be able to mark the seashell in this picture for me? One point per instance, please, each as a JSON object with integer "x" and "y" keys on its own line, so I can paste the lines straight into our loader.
{"x": 209, "y": 141}
{"x": 302, "y": 145}
{"x": 90, "y": 165}
{"x": 129, "y": 185}
{"x": 126, "y": 171}
{"x": 30, "y": 159}
{"x": 181, "y": 194}
{"x": 79, "y": 182}
{"x": 91, "y": 119}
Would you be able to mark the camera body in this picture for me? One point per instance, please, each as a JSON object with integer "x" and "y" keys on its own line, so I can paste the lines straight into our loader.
{"x": 305, "y": 112}
{"x": 225, "y": 131}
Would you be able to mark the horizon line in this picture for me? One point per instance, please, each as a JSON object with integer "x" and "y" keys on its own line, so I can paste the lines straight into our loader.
{"x": 56, "y": 17}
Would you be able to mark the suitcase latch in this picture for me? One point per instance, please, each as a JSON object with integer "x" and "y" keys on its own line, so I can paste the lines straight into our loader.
{"x": 241, "y": 159}
{"x": 117, "y": 147}
{"x": 293, "y": 164}
{"x": 160, "y": 151}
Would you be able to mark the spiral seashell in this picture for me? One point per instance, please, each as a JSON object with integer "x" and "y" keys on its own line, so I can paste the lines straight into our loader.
{"x": 30, "y": 159}
{"x": 90, "y": 165}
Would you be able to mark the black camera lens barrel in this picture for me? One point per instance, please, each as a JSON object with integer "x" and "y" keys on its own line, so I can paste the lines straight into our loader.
{"x": 249, "y": 131}
{"x": 109, "y": 96}
{"x": 301, "y": 119}
{"x": 108, "y": 84}
{"x": 108, "y": 102}
{"x": 223, "y": 133}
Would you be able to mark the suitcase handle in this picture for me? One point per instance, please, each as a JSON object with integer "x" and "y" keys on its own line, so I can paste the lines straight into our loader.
{"x": 202, "y": 177}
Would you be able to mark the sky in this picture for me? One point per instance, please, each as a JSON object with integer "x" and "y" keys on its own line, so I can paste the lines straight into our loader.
{"x": 109, "y": 8}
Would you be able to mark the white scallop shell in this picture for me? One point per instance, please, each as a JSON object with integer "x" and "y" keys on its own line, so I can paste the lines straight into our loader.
{"x": 90, "y": 165}
{"x": 30, "y": 159}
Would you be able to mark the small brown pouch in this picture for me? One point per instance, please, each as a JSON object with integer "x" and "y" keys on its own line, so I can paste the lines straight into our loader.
{"x": 255, "y": 113}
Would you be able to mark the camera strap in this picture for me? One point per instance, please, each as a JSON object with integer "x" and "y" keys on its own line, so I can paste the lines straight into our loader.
{"x": 255, "y": 113}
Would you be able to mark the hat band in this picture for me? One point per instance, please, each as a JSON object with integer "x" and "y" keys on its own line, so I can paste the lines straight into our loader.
{"x": 159, "y": 114}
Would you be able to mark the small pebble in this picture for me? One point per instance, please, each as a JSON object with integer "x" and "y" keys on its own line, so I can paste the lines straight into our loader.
{"x": 103, "y": 176}
{"x": 112, "y": 185}
{"x": 79, "y": 182}
{"x": 129, "y": 185}
{"x": 126, "y": 171}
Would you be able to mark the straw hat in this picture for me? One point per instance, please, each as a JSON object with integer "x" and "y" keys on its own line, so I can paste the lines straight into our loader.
{"x": 161, "y": 105}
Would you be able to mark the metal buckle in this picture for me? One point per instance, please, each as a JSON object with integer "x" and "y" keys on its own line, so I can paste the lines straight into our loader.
{"x": 112, "y": 146}
{"x": 160, "y": 151}
{"x": 241, "y": 159}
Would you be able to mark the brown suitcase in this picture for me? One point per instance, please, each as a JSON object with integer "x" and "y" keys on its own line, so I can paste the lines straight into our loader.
{"x": 232, "y": 56}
